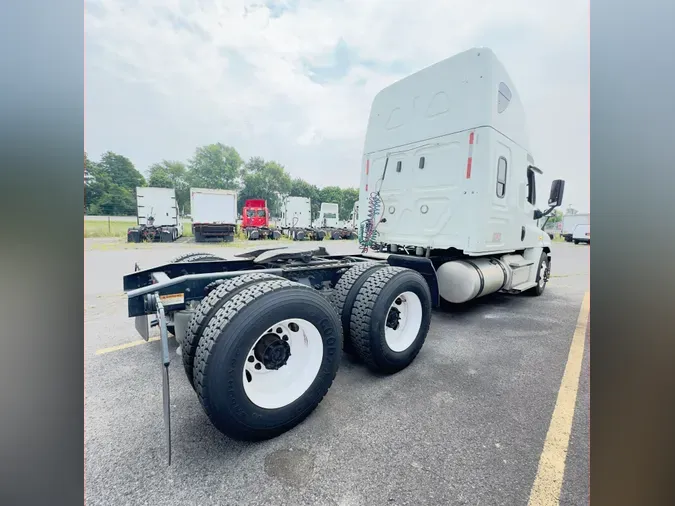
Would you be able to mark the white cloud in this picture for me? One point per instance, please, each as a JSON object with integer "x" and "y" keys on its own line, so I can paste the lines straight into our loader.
{"x": 164, "y": 76}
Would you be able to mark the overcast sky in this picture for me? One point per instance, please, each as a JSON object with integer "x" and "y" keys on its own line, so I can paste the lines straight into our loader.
{"x": 293, "y": 80}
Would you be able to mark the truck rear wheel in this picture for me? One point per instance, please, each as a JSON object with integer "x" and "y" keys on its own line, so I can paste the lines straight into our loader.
{"x": 207, "y": 308}
{"x": 345, "y": 293}
{"x": 266, "y": 359}
{"x": 390, "y": 318}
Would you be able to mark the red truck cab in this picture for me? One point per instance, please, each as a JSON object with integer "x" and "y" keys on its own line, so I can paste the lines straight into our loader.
{"x": 255, "y": 214}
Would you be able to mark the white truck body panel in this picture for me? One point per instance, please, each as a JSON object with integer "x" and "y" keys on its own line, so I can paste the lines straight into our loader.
{"x": 447, "y": 132}
{"x": 213, "y": 206}
{"x": 329, "y": 215}
{"x": 296, "y": 212}
{"x": 160, "y": 204}
{"x": 570, "y": 221}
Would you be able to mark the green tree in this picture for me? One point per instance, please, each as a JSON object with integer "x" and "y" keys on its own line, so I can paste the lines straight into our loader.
{"x": 264, "y": 180}
{"x": 301, "y": 188}
{"x": 113, "y": 188}
{"x": 121, "y": 171}
{"x": 349, "y": 196}
{"x": 172, "y": 174}
{"x": 330, "y": 194}
{"x": 215, "y": 166}
{"x": 255, "y": 164}
{"x": 93, "y": 190}
{"x": 116, "y": 201}
{"x": 556, "y": 216}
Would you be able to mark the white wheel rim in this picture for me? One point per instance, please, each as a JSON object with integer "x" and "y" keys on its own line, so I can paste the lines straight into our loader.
{"x": 409, "y": 308}
{"x": 542, "y": 273}
{"x": 276, "y": 388}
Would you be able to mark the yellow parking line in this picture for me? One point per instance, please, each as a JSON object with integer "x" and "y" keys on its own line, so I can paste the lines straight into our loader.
{"x": 126, "y": 345}
{"x": 548, "y": 481}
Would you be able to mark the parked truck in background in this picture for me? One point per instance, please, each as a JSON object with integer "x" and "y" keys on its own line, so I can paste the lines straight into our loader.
{"x": 255, "y": 220}
{"x": 582, "y": 234}
{"x": 157, "y": 216}
{"x": 552, "y": 229}
{"x": 329, "y": 222}
{"x": 354, "y": 217}
{"x": 296, "y": 219}
{"x": 214, "y": 214}
{"x": 448, "y": 189}
{"x": 570, "y": 221}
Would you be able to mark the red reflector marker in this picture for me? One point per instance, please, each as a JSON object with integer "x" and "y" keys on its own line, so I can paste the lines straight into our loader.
{"x": 367, "y": 166}
{"x": 470, "y": 159}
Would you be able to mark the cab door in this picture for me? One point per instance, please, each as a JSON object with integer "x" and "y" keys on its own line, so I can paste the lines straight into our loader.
{"x": 502, "y": 188}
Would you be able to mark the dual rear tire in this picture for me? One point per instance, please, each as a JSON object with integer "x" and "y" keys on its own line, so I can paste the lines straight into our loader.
{"x": 385, "y": 314}
{"x": 261, "y": 351}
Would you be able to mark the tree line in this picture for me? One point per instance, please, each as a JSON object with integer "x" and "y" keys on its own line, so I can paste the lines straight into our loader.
{"x": 110, "y": 188}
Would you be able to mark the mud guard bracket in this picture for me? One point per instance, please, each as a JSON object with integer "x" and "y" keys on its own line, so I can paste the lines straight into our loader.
{"x": 155, "y": 301}
{"x": 424, "y": 267}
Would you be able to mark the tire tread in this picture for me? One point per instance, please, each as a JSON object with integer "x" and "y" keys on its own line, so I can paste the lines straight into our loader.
{"x": 207, "y": 308}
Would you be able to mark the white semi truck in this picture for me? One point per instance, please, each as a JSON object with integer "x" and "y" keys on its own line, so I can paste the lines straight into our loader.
{"x": 214, "y": 214}
{"x": 157, "y": 216}
{"x": 329, "y": 221}
{"x": 570, "y": 222}
{"x": 448, "y": 191}
{"x": 296, "y": 219}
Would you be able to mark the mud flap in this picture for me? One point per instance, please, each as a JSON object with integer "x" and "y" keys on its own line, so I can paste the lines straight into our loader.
{"x": 164, "y": 347}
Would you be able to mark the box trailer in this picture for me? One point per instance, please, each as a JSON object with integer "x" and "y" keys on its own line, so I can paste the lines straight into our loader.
{"x": 157, "y": 216}
{"x": 570, "y": 222}
{"x": 448, "y": 191}
{"x": 214, "y": 214}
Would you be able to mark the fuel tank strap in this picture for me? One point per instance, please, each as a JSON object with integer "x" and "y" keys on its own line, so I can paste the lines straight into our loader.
{"x": 480, "y": 275}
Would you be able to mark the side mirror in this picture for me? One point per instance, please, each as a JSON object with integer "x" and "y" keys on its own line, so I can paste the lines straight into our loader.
{"x": 557, "y": 190}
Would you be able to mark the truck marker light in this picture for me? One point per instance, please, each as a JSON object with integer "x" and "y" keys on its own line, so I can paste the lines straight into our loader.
{"x": 470, "y": 159}
{"x": 367, "y": 167}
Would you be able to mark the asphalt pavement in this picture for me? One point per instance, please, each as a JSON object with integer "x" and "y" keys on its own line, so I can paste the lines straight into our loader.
{"x": 465, "y": 424}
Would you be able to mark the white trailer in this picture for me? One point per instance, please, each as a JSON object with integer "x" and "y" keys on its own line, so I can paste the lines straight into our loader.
{"x": 448, "y": 190}
{"x": 157, "y": 216}
{"x": 570, "y": 222}
{"x": 214, "y": 214}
